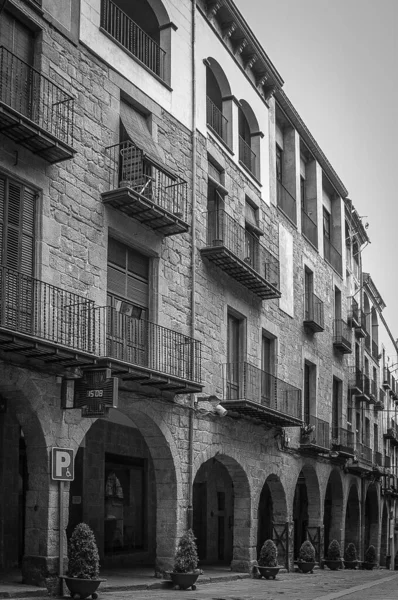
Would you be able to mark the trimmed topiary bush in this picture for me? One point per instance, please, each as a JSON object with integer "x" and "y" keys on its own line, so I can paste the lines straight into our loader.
{"x": 370, "y": 554}
{"x": 186, "y": 558}
{"x": 334, "y": 550}
{"x": 268, "y": 555}
{"x": 350, "y": 554}
{"x": 83, "y": 557}
{"x": 307, "y": 552}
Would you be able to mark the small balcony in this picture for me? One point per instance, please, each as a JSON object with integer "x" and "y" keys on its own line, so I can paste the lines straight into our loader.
{"x": 240, "y": 254}
{"x": 380, "y": 402}
{"x": 314, "y": 314}
{"x": 364, "y": 457}
{"x": 286, "y": 202}
{"x": 251, "y": 392}
{"x": 34, "y": 111}
{"x": 387, "y": 379}
{"x": 117, "y": 24}
{"x": 216, "y": 120}
{"x": 342, "y": 336}
{"x": 143, "y": 191}
{"x": 309, "y": 228}
{"x": 354, "y": 314}
{"x": 247, "y": 157}
{"x": 332, "y": 255}
{"x": 355, "y": 381}
{"x": 315, "y": 435}
{"x": 360, "y": 328}
{"x": 343, "y": 441}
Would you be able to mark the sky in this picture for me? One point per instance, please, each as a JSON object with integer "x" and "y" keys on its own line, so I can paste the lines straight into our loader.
{"x": 338, "y": 59}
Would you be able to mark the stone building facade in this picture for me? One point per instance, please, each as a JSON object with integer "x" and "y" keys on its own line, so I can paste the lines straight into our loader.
{"x": 168, "y": 222}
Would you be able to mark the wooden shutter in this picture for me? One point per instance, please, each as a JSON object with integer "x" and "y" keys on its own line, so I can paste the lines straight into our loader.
{"x": 16, "y": 37}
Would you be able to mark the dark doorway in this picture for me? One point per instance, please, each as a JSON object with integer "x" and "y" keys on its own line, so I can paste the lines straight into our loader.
{"x": 300, "y": 514}
{"x": 265, "y": 517}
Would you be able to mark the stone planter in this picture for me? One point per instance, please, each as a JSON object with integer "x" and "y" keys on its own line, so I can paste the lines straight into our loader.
{"x": 184, "y": 581}
{"x": 268, "y": 572}
{"x": 82, "y": 588}
{"x": 305, "y": 567}
{"x": 350, "y": 564}
{"x": 368, "y": 566}
{"x": 333, "y": 565}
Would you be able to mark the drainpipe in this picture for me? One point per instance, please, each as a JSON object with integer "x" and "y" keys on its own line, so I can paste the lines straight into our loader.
{"x": 193, "y": 257}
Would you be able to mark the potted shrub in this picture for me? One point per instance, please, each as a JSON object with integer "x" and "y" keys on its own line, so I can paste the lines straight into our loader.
{"x": 186, "y": 560}
{"x": 306, "y": 559}
{"x": 370, "y": 558}
{"x": 350, "y": 557}
{"x": 82, "y": 578}
{"x": 333, "y": 559}
{"x": 268, "y": 560}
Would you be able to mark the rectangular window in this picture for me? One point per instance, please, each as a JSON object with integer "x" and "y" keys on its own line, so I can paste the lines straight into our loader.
{"x": 326, "y": 224}
{"x": 215, "y": 214}
{"x": 375, "y": 437}
{"x": 279, "y": 163}
{"x": 267, "y": 367}
{"x": 367, "y": 432}
{"x": 349, "y": 411}
{"x": 336, "y": 403}
{"x": 234, "y": 355}
{"x": 303, "y": 195}
{"x": 309, "y": 291}
{"x": 309, "y": 399}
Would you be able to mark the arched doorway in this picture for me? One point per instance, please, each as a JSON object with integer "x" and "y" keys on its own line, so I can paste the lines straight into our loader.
{"x": 272, "y": 516}
{"x": 384, "y": 541}
{"x": 221, "y": 512}
{"x": 352, "y": 518}
{"x": 371, "y": 517}
{"x": 333, "y": 510}
{"x": 306, "y": 511}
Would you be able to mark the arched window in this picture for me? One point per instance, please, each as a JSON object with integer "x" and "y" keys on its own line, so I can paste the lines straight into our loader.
{"x": 249, "y": 139}
{"x": 218, "y": 101}
{"x": 143, "y": 28}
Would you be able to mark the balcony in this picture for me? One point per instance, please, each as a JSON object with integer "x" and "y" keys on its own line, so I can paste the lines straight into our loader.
{"x": 355, "y": 381}
{"x": 309, "y": 228}
{"x": 247, "y": 157}
{"x": 342, "y": 336}
{"x": 286, "y": 202}
{"x": 364, "y": 459}
{"x": 387, "y": 461}
{"x": 56, "y": 329}
{"x": 332, "y": 255}
{"x": 375, "y": 351}
{"x": 132, "y": 38}
{"x": 216, "y": 120}
{"x": 377, "y": 461}
{"x": 387, "y": 379}
{"x": 240, "y": 254}
{"x": 360, "y": 328}
{"x": 251, "y": 392}
{"x": 373, "y": 391}
{"x": 34, "y": 112}
{"x": 354, "y": 314}
{"x": 314, "y": 316}
{"x": 380, "y": 403}
{"x": 391, "y": 434}
{"x": 343, "y": 441}
{"x": 315, "y": 436}
{"x": 142, "y": 190}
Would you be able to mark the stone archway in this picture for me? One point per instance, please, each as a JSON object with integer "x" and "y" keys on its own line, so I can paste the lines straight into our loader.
{"x": 222, "y": 511}
{"x": 333, "y": 510}
{"x": 272, "y": 515}
{"x": 353, "y": 518}
{"x": 307, "y": 510}
{"x": 371, "y": 520}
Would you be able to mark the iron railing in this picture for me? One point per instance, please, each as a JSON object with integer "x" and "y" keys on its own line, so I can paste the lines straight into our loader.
{"x": 355, "y": 380}
{"x": 36, "y": 97}
{"x": 134, "y": 39}
{"x": 341, "y": 333}
{"x": 319, "y": 435}
{"x": 364, "y": 453}
{"x": 247, "y": 156}
{"x": 285, "y": 201}
{"x": 377, "y": 458}
{"x": 375, "y": 350}
{"x": 145, "y": 344}
{"x": 344, "y": 439}
{"x": 216, "y": 120}
{"x": 245, "y": 381}
{"x": 46, "y": 312}
{"x": 223, "y": 230}
{"x": 128, "y": 166}
{"x": 314, "y": 310}
{"x": 332, "y": 255}
{"x": 309, "y": 227}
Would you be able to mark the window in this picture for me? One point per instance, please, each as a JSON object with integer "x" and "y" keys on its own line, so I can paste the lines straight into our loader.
{"x": 279, "y": 163}
{"x": 309, "y": 399}
{"x": 215, "y": 214}
{"x": 303, "y": 194}
{"x": 268, "y": 343}
{"x": 375, "y": 437}
{"x": 251, "y": 236}
{"x": 349, "y": 411}
{"x": 234, "y": 354}
{"x": 367, "y": 432}
{"x": 214, "y": 107}
{"x": 337, "y": 303}
{"x": 336, "y": 403}
{"x": 17, "y": 38}
{"x": 309, "y": 291}
{"x": 326, "y": 224}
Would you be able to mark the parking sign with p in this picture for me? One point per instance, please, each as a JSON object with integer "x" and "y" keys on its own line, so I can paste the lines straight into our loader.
{"x": 62, "y": 467}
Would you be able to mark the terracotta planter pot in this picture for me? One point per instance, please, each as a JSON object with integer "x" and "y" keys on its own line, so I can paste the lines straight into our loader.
{"x": 305, "y": 567}
{"x": 333, "y": 565}
{"x": 268, "y": 572}
{"x": 350, "y": 564}
{"x": 184, "y": 581}
{"x": 83, "y": 588}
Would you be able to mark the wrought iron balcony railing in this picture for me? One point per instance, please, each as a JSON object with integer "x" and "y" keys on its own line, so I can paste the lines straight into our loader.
{"x": 285, "y": 201}
{"x": 375, "y": 351}
{"x": 131, "y": 37}
{"x": 247, "y": 157}
{"x": 253, "y": 392}
{"x": 146, "y": 345}
{"x": 342, "y": 336}
{"x": 240, "y": 253}
{"x": 377, "y": 458}
{"x": 144, "y": 191}
{"x": 60, "y": 328}
{"x": 355, "y": 381}
{"x": 314, "y": 313}
{"x": 364, "y": 453}
{"x": 332, "y": 255}
{"x": 216, "y": 120}
{"x": 343, "y": 440}
{"x": 317, "y": 435}
{"x": 309, "y": 228}
{"x": 34, "y": 111}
